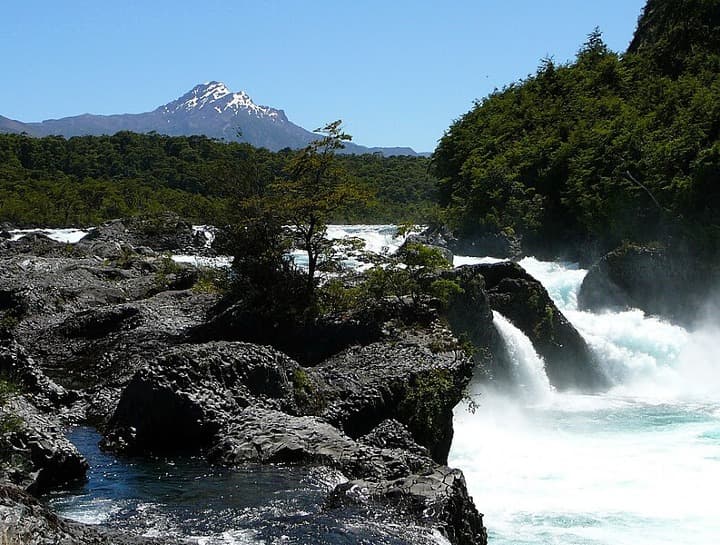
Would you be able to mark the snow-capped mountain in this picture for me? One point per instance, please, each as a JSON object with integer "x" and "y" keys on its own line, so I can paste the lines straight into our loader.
{"x": 210, "y": 109}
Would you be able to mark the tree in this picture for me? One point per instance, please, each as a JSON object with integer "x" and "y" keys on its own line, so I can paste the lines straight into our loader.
{"x": 315, "y": 188}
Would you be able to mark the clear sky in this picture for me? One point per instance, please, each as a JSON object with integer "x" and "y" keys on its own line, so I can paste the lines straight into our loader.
{"x": 397, "y": 72}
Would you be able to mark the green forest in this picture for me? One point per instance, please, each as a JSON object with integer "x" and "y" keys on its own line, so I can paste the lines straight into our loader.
{"x": 611, "y": 147}
{"x": 85, "y": 180}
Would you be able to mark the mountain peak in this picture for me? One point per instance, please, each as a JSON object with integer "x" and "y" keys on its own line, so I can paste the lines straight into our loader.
{"x": 215, "y": 96}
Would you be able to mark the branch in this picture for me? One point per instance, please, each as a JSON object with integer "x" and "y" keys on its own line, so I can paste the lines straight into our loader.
{"x": 639, "y": 184}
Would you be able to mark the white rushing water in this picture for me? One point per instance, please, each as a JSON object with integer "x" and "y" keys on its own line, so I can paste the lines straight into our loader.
{"x": 637, "y": 465}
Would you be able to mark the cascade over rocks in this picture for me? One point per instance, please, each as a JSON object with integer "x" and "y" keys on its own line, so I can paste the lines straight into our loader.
{"x": 470, "y": 317}
{"x": 654, "y": 279}
{"x": 516, "y": 295}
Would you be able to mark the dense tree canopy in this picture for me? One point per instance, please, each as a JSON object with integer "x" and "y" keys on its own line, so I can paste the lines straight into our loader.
{"x": 606, "y": 148}
{"x": 55, "y": 181}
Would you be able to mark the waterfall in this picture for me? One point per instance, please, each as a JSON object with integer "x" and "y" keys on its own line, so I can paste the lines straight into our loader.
{"x": 636, "y": 465}
{"x": 528, "y": 369}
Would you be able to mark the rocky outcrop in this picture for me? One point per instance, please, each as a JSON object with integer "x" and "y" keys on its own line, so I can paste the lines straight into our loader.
{"x": 88, "y": 322}
{"x": 437, "y": 497}
{"x": 20, "y": 369}
{"x": 651, "y": 278}
{"x": 364, "y": 386}
{"x": 108, "y": 320}
{"x": 25, "y": 520}
{"x": 37, "y": 455}
{"x": 187, "y": 395}
{"x": 162, "y": 233}
{"x": 515, "y": 294}
{"x": 425, "y": 239}
{"x": 308, "y": 343}
{"x": 470, "y": 317}
{"x": 265, "y": 436}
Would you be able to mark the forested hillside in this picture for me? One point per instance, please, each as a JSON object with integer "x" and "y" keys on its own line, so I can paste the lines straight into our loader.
{"x": 607, "y": 148}
{"x": 54, "y": 181}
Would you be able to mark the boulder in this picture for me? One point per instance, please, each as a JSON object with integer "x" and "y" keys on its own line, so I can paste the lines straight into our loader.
{"x": 674, "y": 285}
{"x": 520, "y": 298}
{"x": 430, "y": 242}
{"x": 188, "y": 394}
{"x": 470, "y": 317}
{"x": 39, "y": 457}
{"x": 498, "y": 245}
{"x": 266, "y": 436}
{"x": 363, "y": 386}
{"x": 438, "y": 498}
{"x": 165, "y": 232}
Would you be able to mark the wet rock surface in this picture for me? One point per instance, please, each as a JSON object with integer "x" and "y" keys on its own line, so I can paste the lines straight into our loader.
{"x": 186, "y": 396}
{"x": 670, "y": 284}
{"x": 438, "y": 496}
{"x": 525, "y": 302}
{"x": 363, "y": 386}
{"x": 23, "y": 519}
{"x": 37, "y": 456}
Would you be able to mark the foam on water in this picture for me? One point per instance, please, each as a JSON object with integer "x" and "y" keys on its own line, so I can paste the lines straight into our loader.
{"x": 638, "y": 465}
{"x": 70, "y": 236}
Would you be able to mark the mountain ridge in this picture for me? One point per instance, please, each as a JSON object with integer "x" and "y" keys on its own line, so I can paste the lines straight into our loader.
{"x": 209, "y": 109}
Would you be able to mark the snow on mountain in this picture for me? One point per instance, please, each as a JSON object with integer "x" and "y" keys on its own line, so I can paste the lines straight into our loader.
{"x": 209, "y": 109}
{"x": 216, "y": 96}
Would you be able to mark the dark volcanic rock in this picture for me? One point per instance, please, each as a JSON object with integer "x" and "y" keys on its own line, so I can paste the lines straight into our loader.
{"x": 525, "y": 302}
{"x": 496, "y": 245}
{"x": 470, "y": 317}
{"x": 364, "y": 386}
{"x": 36, "y": 244}
{"x": 162, "y": 233}
{"x": 86, "y": 322}
{"x": 307, "y": 343}
{"x": 438, "y": 497}
{"x": 429, "y": 241}
{"x": 674, "y": 285}
{"x": 24, "y": 520}
{"x": 39, "y": 455}
{"x": 393, "y": 434}
{"x": 19, "y": 368}
{"x": 265, "y": 436}
{"x": 189, "y": 393}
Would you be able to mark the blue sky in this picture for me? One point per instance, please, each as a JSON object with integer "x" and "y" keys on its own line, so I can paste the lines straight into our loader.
{"x": 397, "y": 72}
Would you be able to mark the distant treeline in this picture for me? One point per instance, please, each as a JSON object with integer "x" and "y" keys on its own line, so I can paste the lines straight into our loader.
{"x": 607, "y": 148}
{"x": 54, "y": 181}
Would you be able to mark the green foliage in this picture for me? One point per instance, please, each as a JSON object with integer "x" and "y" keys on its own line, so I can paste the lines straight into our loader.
{"x": 410, "y": 277}
{"x": 429, "y": 400}
{"x": 86, "y": 180}
{"x": 297, "y": 208}
{"x": 8, "y": 422}
{"x": 212, "y": 280}
{"x": 306, "y": 393}
{"x": 609, "y": 147}
{"x": 166, "y": 268}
